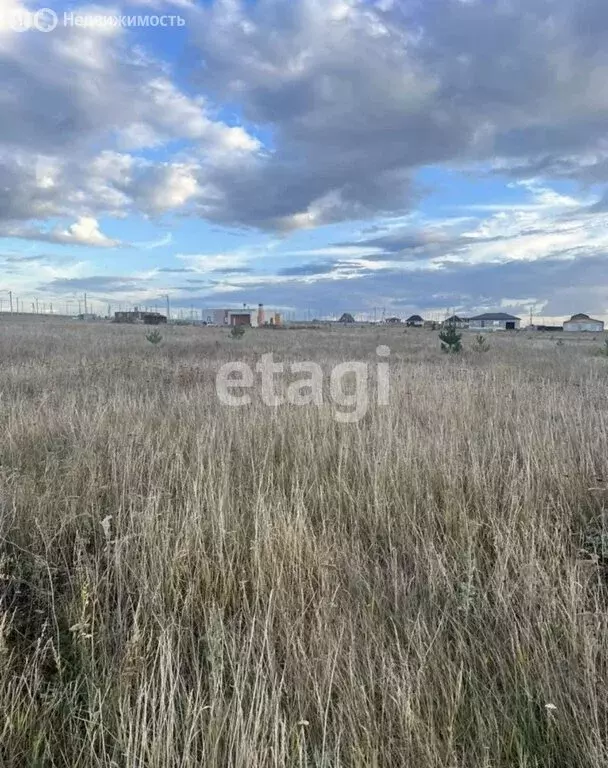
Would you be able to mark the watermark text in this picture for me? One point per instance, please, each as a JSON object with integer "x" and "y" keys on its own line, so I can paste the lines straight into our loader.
{"x": 48, "y": 20}
{"x": 347, "y": 384}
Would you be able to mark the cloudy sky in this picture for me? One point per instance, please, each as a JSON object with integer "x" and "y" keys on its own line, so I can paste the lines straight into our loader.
{"x": 315, "y": 155}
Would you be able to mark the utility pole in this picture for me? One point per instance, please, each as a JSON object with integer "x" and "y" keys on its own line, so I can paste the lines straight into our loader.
{"x": 10, "y": 293}
{"x": 85, "y": 304}
{"x": 168, "y": 307}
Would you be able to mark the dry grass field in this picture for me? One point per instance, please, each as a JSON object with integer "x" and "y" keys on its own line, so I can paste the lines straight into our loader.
{"x": 186, "y": 584}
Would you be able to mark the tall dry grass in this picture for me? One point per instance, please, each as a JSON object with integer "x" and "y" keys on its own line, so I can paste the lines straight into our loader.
{"x": 189, "y": 585}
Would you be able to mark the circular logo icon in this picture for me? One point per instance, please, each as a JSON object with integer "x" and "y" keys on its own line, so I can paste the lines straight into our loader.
{"x": 45, "y": 20}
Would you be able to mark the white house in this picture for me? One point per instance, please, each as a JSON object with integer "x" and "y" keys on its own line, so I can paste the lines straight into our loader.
{"x": 494, "y": 321}
{"x": 583, "y": 323}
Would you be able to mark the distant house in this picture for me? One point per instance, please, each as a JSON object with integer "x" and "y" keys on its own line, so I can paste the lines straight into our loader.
{"x": 346, "y": 318}
{"x": 393, "y": 321}
{"x": 583, "y": 323}
{"x": 495, "y": 321}
{"x": 415, "y": 321}
{"x": 457, "y": 322}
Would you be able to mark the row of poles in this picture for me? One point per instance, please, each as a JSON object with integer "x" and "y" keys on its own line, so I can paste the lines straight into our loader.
{"x": 19, "y": 306}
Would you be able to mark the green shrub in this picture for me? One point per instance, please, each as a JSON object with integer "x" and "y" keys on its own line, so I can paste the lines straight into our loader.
{"x": 237, "y": 331}
{"x": 450, "y": 340}
{"x": 154, "y": 337}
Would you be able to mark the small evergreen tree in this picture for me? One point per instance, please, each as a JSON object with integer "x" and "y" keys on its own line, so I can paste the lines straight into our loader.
{"x": 238, "y": 331}
{"x": 154, "y": 338}
{"x": 450, "y": 339}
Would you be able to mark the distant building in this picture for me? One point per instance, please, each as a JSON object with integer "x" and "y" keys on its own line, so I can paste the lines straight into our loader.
{"x": 457, "y": 322}
{"x": 346, "y": 318}
{"x": 126, "y": 317}
{"x": 154, "y": 318}
{"x": 137, "y": 316}
{"x": 495, "y": 321}
{"x": 255, "y": 318}
{"x": 583, "y": 323}
{"x": 415, "y": 321}
{"x": 393, "y": 321}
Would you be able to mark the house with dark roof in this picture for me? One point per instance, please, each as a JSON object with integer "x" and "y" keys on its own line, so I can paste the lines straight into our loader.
{"x": 495, "y": 321}
{"x": 457, "y": 322}
{"x": 415, "y": 321}
{"x": 583, "y": 323}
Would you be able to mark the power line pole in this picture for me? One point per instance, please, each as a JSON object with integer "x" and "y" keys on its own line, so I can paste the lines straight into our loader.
{"x": 10, "y": 293}
{"x": 168, "y": 307}
{"x": 85, "y": 304}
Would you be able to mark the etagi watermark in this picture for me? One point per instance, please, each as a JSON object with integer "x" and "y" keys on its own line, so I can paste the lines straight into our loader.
{"x": 349, "y": 385}
{"x": 47, "y": 20}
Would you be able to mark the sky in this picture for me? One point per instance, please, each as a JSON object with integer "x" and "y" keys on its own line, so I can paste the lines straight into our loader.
{"x": 380, "y": 157}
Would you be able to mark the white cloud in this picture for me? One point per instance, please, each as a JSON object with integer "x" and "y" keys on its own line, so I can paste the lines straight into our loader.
{"x": 205, "y": 263}
{"x": 84, "y": 232}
